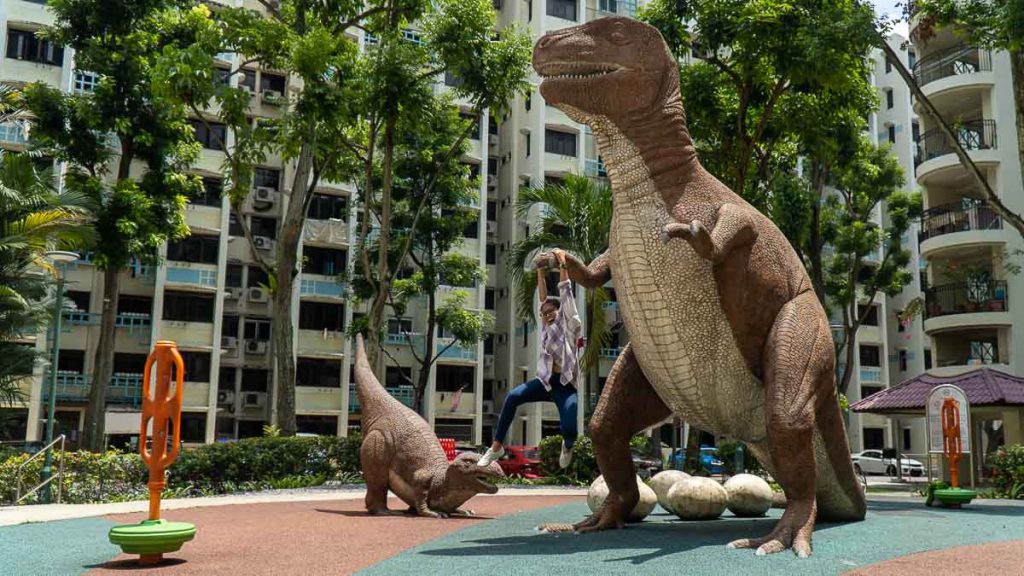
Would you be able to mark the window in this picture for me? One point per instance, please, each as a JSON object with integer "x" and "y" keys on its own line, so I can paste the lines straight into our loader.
{"x": 71, "y": 361}
{"x": 25, "y": 45}
{"x": 255, "y": 380}
{"x": 397, "y": 376}
{"x": 907, "y": 444}
{"x": 454, "y": 378}
{"x": 266, "y": 177}
{"x": 134, "y": 304}
{"x": 322, "y": 316}
{"x": 472, "y": 229}
{"x": 258, "y": 330}
{"x": 492, "y": 211}
{"x": 131, "y": 363}
{"x": 327, "y": 207}
{"x": 489, "y": 299}
{"x": 874, "y": 438}
{"x": 526, "y": 334}
{"x": 234, "y": 226}
{"x": 248, "y": 79}
{"x": 528, "y": 101}
{"x": 903, "y": 360}
{"x": 912, "y": 59}
{"x": 562, "y": 143}
{"x": 193, "y": 427}
{"x": 927, "y": 359}
{"x": 866, "y": 391}
{"x": 198, "y": 249}
{"x": 197, "y": 366}
{"x": 870, "y": 356}
{"x": 492, "y": 254}
{"x": 888, "y": 99}
{"x": 398, "y": 326}
{"x": 210, "y": 196}
{"x": 319, "y": 425}
{"x": 317, "y": 372}
{"x": 273, "y": 82}
{"x": 489, "y": 344}
{"x": 79, "y": 298}
{"x": 871, "y": 319}
{"x": 85, "y": 81}
{"x": 475, "y": 121}
{"x": 229, "y": 326}
{"x": 221, "y": 76}
{"x": 257, "y": 277}
{"x": 492, "y": 126}
{"x": 564, "y": 9}
{"x": 263, "y": 226}
{"x": 892, "y": 134}
{"x": 182, "y": 307}
{"x": 233, "y": 276}
{"x": 528, "y": 146}
{"x": 888, "y": 65}
{"x": 211, "y": 135}
{"x": 915, "y": 129}
{"x": 326, "y": 261}
{"x": 226, "y": 378}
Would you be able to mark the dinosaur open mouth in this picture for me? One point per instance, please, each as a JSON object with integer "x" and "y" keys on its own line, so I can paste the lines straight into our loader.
{"x": 488, "y": 485}
{"x": 575, "y": 70}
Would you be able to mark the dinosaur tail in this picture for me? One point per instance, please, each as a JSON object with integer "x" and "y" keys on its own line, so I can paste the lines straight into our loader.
{"x": 839, "y": 494}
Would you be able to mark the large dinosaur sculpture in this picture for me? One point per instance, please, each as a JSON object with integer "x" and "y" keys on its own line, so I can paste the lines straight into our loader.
{"x": 725, "y": 328}
{"x": 401, "y": 453}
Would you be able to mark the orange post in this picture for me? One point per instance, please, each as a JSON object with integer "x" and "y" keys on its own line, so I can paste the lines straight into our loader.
{"x": 161, "y": 406}
{"x": 951, "y": 438}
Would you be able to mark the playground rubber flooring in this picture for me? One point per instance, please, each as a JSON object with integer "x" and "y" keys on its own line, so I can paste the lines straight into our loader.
{"x": 899, "y": 537}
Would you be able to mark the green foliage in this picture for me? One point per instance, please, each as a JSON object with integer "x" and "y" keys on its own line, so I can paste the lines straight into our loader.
{"x": 727, "y": 454}
{"x": 583, "y": 469}
{"x": 271, "y": 431}
{"x": 1006, "y": 470}
{"x": 997, "y": 24}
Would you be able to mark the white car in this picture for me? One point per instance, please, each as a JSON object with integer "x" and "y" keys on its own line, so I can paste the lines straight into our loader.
{"x": 872, "y": 462}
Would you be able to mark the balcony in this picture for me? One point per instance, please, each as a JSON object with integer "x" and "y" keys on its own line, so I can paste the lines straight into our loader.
{"x": 870, "y": 375}
{"x": 188, "y": 334}
{"x": 317, "y": 399}
{"x": 404, "y": 394}
{"x": 447, "y": 403}
{"x": 955, "y": 61}
{"x": 963, "y": 350}
{"x": 321, "y": 343}
{"x": 977, "y": 137}
{"x": 610, "y": 353}
{"x": 595, "y": 168}
{"x": 329, "y": 232}
{"x": 134, "y": 321}
{"x": 125, "y": 389}
{"x": 326, "y": 288}
{"x": 966, "y": 298}
{"x": 970, "y": 220}
{"x": 449, "y": 351}
{"x": 193, "y": 276}
{"x": 71, "y": 386}
{"x": 13, "y": 133}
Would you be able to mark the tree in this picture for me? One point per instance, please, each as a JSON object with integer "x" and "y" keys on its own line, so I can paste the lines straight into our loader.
{"x": 993, "y": 25}
{"x": 867, "y": 259}
{"x": 128, "y": 119}
{"x": 575, "y": 215}
{"x": 488, "y": 70}
{"x": 424, "y": 169}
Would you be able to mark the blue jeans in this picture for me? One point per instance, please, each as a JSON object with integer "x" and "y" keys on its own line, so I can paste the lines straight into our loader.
{"x": 563, "y": 396}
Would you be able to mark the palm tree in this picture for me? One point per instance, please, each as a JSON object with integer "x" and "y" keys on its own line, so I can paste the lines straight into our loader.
{"x": 575, "y": 215}
{"x": 34, "y": 218}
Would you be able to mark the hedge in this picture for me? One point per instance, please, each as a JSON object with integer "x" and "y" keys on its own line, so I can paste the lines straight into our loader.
{"x": 1006, "y": 469}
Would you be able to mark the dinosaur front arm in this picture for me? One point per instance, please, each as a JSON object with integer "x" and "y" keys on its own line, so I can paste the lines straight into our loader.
{"x": 734, "y": 227}
{"x": 596, "y": 274}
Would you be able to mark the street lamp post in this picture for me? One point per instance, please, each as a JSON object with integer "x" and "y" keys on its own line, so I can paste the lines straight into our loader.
{"x": 59, "y": 259}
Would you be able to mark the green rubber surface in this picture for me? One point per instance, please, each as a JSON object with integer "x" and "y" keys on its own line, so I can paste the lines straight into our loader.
{"x": 666, "y": 545}
{"x": 65, "y": 547}
{"x": 152, "y": 536}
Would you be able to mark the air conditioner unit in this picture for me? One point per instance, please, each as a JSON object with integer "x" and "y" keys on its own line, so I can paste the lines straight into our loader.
{"x": 488, "y": 406}
{"x": 228, "y": 342}
{"x": 232, "y": 293}
{"x": 254, "y": 399}
{"x": 492, "y": 180}
{"x": 257, "y": 294}
{"x": 492, "y": 139}
{"x": 255, "y": 347}
{"x": 271, "y": 97}
{"x": 265, "y": 196}
{"x": 492, "y": 227}
{"x": 263, "y": 242}
{"x": 225, "y": 397}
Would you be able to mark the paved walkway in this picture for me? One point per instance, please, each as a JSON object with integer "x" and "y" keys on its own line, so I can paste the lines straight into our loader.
{"x": 327, "y": 532}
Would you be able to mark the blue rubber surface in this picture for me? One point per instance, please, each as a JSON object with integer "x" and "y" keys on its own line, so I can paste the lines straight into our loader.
{"x": 665, "y": 545}
{"x": 65, "y": 547}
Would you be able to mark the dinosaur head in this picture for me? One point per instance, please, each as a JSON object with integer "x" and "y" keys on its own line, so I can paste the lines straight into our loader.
{"x": 607, "y": 67}
{"x": 464, "y": 476}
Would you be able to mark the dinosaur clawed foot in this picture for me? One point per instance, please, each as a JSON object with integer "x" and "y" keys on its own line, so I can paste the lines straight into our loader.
{"x": 608, "y": 517}
{"x": 792, "y": 531}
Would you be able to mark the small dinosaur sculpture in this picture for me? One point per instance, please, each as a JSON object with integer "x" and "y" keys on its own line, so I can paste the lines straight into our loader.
{"x": 725, "y": 328}
{"x": 401, "y": 453}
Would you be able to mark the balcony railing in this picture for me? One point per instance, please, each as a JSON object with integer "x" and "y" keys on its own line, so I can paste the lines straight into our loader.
{"x": 611, "y": 353}
{"x": 455, "y": 352}
{"x": 125, "y": 389}
{"x": 404, "y": 394}
{"x": 966, "y": 297}
{"x": 134, "y": 321}
{"x": 955, "y": 61}
{"x": 192, "y": 276}
{"x": 13, "y": 133}
{"x": 972, "y": 135}
{"x": 595, "y": 169}
{"x": 308, "y": 287}
{"x": 870, "y": 374}
{"x": 958, "y": 217}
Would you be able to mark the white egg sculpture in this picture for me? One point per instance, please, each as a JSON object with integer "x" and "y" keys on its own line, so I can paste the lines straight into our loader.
{"x": 698, "y": 498}
{"x": 663, "y": 482}
{"x": 749, "y": 495}
{"x": 648, "y": 499}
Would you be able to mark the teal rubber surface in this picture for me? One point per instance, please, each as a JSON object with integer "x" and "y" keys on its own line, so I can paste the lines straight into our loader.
{"x": 64, "y": 547}
{"x": 666, "y": 545}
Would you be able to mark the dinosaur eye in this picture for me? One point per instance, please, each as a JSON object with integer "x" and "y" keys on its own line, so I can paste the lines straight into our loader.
{"x": 618, "y": 35}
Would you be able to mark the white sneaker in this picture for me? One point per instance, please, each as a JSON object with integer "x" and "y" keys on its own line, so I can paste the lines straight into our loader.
{"x": 490, "y": 457}
{"x": 565, "y": 458}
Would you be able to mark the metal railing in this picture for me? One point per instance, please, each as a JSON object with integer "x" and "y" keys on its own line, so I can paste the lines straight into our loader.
{"x": 972, "y": 135}
{"x": 955, "y": 61}
{"x": 18, "y": 497}
{"x": 966, "y": 297}
{"x": 961, "y": 216}
{"x": 404, "y": 394}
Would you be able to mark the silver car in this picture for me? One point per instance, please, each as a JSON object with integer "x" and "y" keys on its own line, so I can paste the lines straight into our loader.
{"x": 872, "y": 462}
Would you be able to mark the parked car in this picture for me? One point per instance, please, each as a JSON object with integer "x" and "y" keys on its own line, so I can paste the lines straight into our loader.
{"x": 873, "y": 462}
{"x": 646, "y": 465}
{"x": 521, "y": 461}
{"x": 708, "y": 457}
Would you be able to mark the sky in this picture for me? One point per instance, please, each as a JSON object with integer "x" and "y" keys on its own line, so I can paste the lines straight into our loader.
{"x": 889, "y": 7}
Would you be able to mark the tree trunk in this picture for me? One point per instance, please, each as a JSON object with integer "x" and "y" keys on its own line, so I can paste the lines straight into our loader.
{"x": 988, "y": 194}
{"x": 376, "y": 318}
{"x": 817, "y": 271}
{"x": 103, "y": 364}
{"x": 428, "y": 353}
{"x": 1017, "y": 72}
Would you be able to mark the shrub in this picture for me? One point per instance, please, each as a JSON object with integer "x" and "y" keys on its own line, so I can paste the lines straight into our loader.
{"x": 1006, "y": 471}
{"x": 727, "y": 454}
{"x": 582, "y": 470}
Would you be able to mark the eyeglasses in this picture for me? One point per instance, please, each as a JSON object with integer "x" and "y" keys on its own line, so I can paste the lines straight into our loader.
{"x": 549, "y": 313}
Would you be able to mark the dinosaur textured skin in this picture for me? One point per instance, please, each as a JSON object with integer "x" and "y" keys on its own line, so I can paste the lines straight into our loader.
{"x": 725, "y": 329}
{"x": 400, "y": 453}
